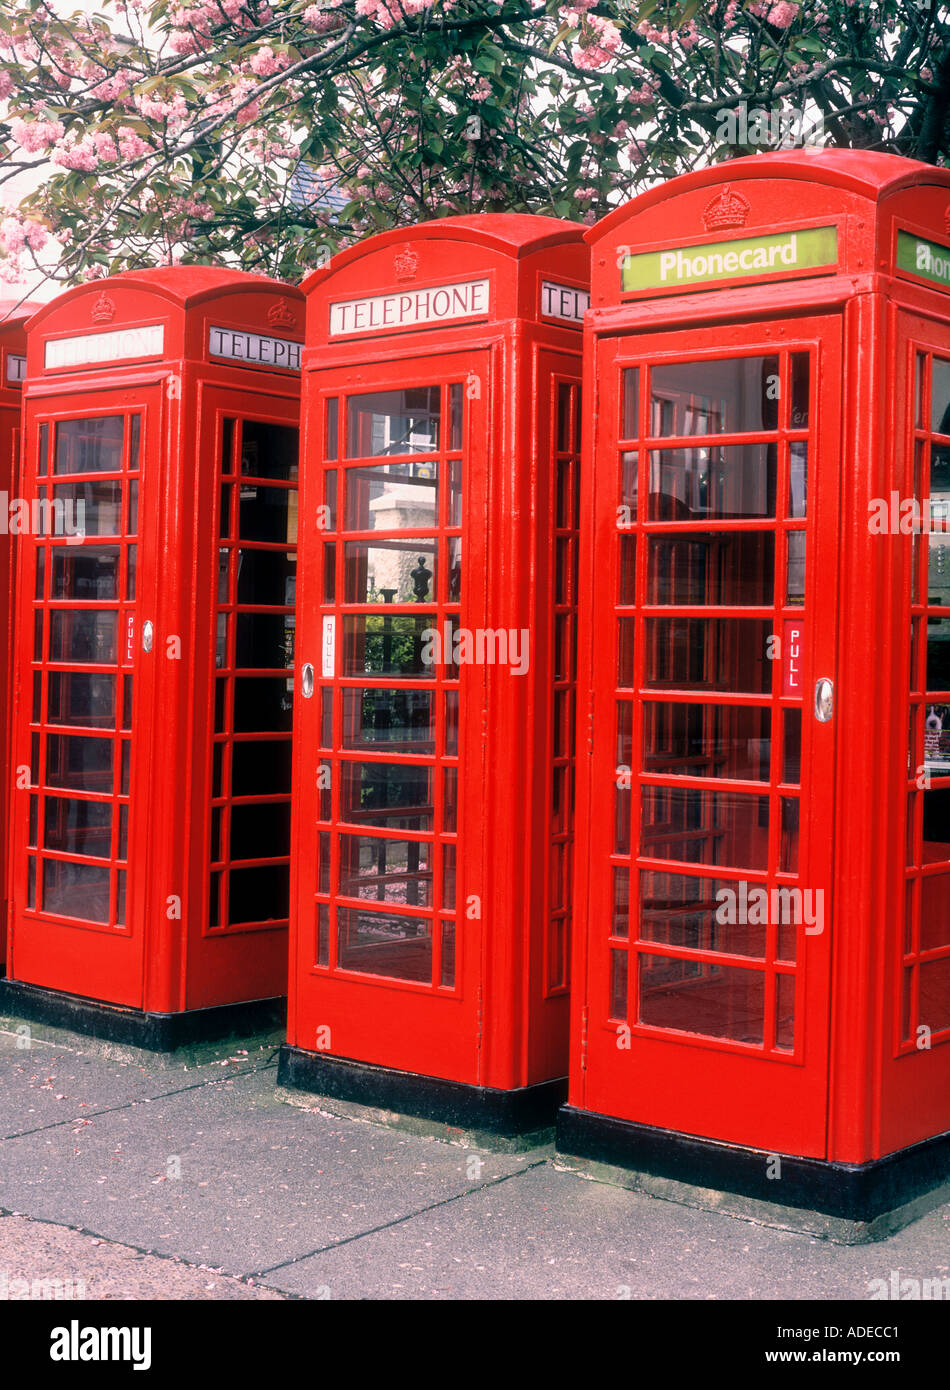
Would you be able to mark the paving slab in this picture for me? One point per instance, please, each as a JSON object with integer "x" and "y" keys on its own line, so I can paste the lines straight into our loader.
{"x": 222, "y": 1174}
{"x": 551, "y": 1234}
{"x": 43, "y": 1262}
{"x": 45, "y": 1082}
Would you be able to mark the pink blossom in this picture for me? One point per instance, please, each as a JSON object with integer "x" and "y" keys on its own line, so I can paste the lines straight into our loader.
{"x": 80, "y": 155}
{"x": 131, "y": 144}
{"x": 783, "y": 14}
{"x": 600, "y": 41}
{"x": 105, "y": 146}
{"x": 265, "y": 62}
{"x": 6, "y": 85}
{"x": 34, "y": 136}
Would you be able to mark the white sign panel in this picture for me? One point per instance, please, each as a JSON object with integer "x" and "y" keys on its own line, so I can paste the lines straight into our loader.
{"x": 254, "y": 348}
{"x": 16, "y": 367}
{"x": 563, "y": 302}
{"x": 410, "y": 308}
{"x": 115, "y": 346}
{"x": 328, "y": 666}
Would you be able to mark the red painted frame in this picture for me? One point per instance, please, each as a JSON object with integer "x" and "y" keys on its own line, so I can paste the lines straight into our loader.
{"x": 861, "y": 1088}
{"x": 502, "y": 1020}
{"x": 166, "y": 956}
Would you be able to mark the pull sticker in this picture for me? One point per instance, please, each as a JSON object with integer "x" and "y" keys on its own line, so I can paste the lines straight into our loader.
{"x": 328, "y": 666}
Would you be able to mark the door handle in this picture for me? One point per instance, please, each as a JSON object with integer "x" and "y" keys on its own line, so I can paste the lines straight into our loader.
{"x": 306, "y": 681}
{"x": 148, "y": 633}
{"x": 824, "y": 699}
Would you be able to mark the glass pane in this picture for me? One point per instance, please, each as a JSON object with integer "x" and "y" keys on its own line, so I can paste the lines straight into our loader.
{"x": 725, "y": 482}
{"x": 393, "y": 871}
{"x": 627, "y": 588}
{"x": 447, "y": 971}
{"x": 261, "y": 894}
{"x": 323, "y": 934}
{"x": 630, "y": 394}
{"x": 934, "y": 912}
{"x": 705, "y": 914}
{"x": 712, "y": 567}
{"x": 707, "y": 740}
{"x": 261, "y": 705}
{"x": 795, "y": 568}
{"x": 89, "y": 446}
{"x": 266, "y": 577}
{"x": 333, "y": 428}
{"x": 801, "y": 378}
{"x": 716, "y": 1001}
{"x": 83, "y": 636}
{"x": 938, "y": 569}
{"x": 76, "y": 890}
{"x": 936, "y": 827}
{"x": 390, "y": 571}
{"x": 940, "y": 396}
{"x": 393, "y": 422}
{"x": 732, "y": 396}
{"x": 262, "y": 641}
{"x": 618, "y": 984}
{"x": 797, "y": 478}
{"x": 98, "y": 504}
{"x": 792, "y": 766}
{"x": 788, "y": 849}
{"x": 934, "y": 1003}
{"x": 78, "y": 827}
{"x": 450, "y": 788}
{"x": 621, "y": 916}
{"x": 81, "y": 698}
{"x": 259, "y": 833}
{"x": 268, "y": 451}
{"x": 728, "y": 654}
{"x": 388, "y": 719}
{"x": 454, "y": 517}
{"x": 392, "y": 497}
{"x": 268, "y": 514}
{"x": 85, "y": 572}
{"x": 785, "y": 1012}
{"x": 938, "y": 654}
{"x": 260, "y": 768}
{"x": 393, "y": 645}
{"x": 456, "y": 407}
{"x": 380, "y": 943}
{"x": 705, "y": 827}
{"x": 397, "y": 795}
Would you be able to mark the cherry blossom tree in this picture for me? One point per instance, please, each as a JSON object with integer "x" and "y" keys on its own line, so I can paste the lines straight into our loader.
{"x": 267, "y": 133}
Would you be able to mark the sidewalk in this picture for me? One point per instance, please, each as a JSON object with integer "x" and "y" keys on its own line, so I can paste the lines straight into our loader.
{"x": 146, "y": 1177}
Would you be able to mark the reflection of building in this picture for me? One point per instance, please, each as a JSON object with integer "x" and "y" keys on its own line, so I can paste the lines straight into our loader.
{"x": 401, "y": 506}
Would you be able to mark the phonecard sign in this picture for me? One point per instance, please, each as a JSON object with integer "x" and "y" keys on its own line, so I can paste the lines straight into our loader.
{"x": 793, "y": 634}
{"x": 937, "y": 738}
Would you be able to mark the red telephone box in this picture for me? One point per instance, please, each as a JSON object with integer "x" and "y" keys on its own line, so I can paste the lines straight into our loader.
{"x": 154, "y": 654}
{"x": 13, "y": 316}
{"x": 432, "y": 795}
{"x": 762, "y": 909}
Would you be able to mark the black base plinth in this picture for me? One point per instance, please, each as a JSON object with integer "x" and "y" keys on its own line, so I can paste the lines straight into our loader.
{"x": 849, "y": 1192}
{"x": 504, "y": 1113}
{"x": 135, "y": 1028}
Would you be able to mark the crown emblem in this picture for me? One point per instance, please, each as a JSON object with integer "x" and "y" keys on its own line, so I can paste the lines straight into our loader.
{"x": 727, "y": 209}
{"x": 279, "y": 315}
{"x": 103, "y": 311}
{"x": 946, "y": 219}
{"x": 406, "y": 263}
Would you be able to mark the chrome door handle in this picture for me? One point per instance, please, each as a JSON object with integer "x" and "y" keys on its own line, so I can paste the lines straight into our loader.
{"x": 824, "y": 699}
{"x": 306, "y": 681}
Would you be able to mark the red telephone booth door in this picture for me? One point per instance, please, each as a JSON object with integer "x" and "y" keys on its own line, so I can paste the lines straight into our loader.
{"x": 713, "y": 580}
{"x": 387, "y": 757}
{"x": 82, "y": 763}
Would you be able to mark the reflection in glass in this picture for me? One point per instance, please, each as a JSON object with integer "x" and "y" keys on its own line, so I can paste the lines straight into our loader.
{"x": 728, "y": 396}
{"x": 716, "y": 1001}
{"x": 390, "y": 571}
{"x": 715, "y": 481}
{"x": 397, "y": 795}
{"x": 89, "y": 446}
{"x": 703, "y": 914}
{"x": 83, "y": 636}
{"x": 392, "y": 497}
{"x": 98, "y": 504}
{"x": 393, "y": 645}
{"x": 85, "y": 572}
{"x": 940, "y": 396}
{"x": 705, "y": 827}
{"x": 380, "y": 943}
{"x": 81, "y": 698}
{"x": 78, "y": 827}
{"x": 727, "y": 654}
{"x": 712, "y": 567}
{"x": 268, "y": 451}
{"x": 76, "y": 890}
{"x": 389, "y": 719}
{"x": 689, "y": 740}
{"x": 393, "y": 422}
{"x": 393, "y": 871}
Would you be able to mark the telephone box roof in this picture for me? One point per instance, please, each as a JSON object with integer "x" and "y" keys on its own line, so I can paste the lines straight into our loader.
{"x": 867, "y": 173}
